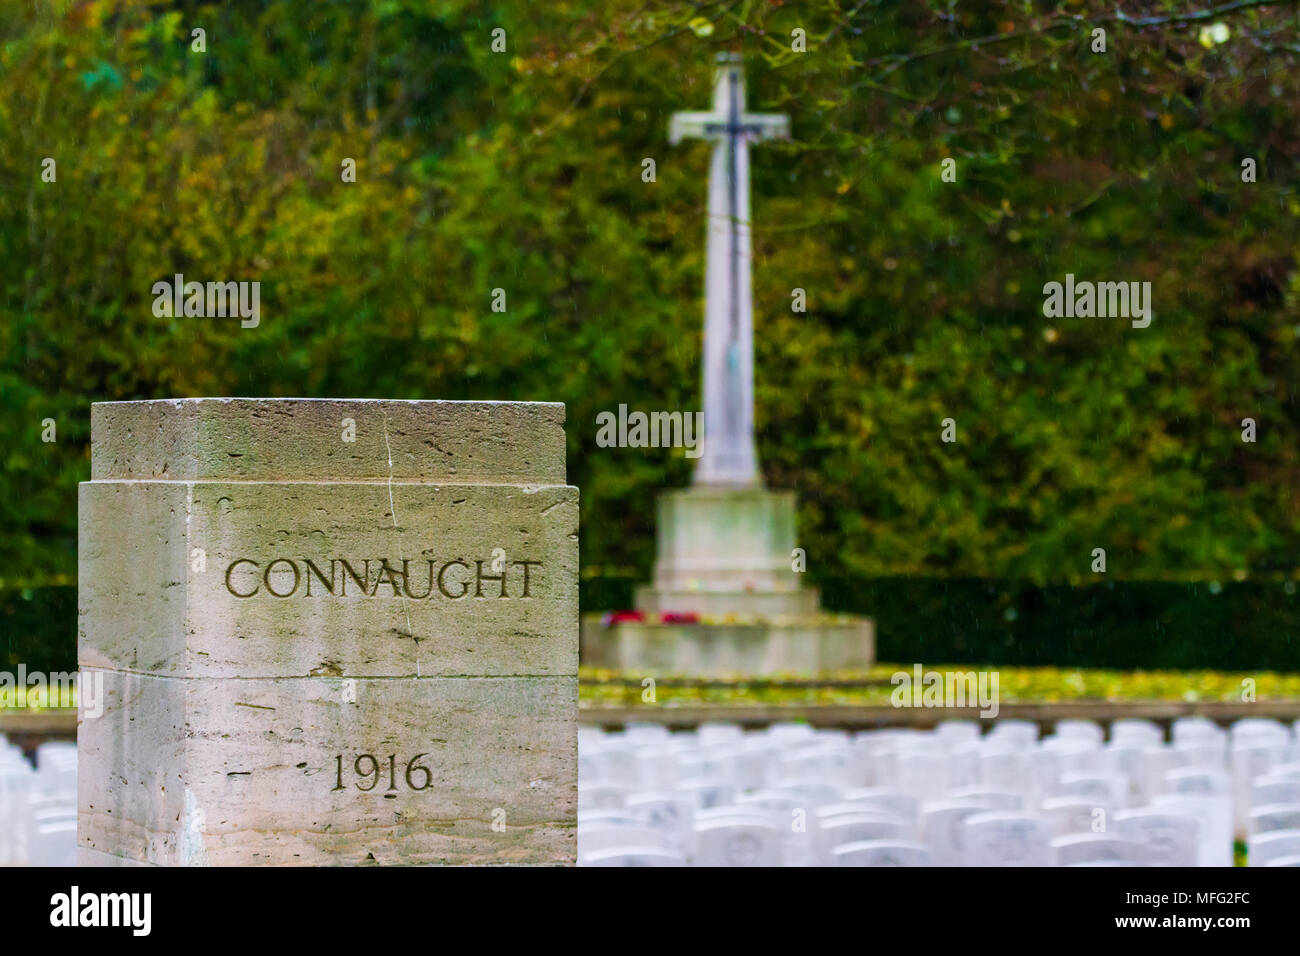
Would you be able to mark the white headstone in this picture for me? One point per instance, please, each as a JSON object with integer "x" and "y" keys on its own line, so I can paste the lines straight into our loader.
{"x": 1267, "y": 790}
{"x": 942, "y": 828}
{"x": 1263, "y": 848}
{"x": 1006, "y": 839}
{"x": 881, "y": 853}
{"x": 1274, "y": 816}
{"x": 1136, "y": 732}
{"x": 885, "y": 799}
{"x": 1079, "y": 848}
{"x": 1214, "y": 823}
{"x": 998, "y": 799}
{"x": 840, "y": 829}
{"x": 738, "y": 843}
{"x": 1167, "y": 839}
{"x": 664, "y": 812}
{"x": 635, "y": 856}
{"x": 593, "y": 837}
{"x": 1076, "y": 814}
{"x": 1014, "y": 732}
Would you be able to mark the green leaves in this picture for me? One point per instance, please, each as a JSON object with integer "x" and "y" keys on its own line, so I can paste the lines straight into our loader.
{"x": 104, "y": 74}
{"x": 521, "y": 171}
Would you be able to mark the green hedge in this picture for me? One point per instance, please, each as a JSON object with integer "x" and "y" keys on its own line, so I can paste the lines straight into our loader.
{"x": 1246, "y": 626}
{"x": 1151, "y": 625}
{"x": 38, "y": 627}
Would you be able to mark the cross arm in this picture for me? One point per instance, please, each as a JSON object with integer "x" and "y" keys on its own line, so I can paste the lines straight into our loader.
{"x": 766, "y": 125}
{"x": 691, "y": 125}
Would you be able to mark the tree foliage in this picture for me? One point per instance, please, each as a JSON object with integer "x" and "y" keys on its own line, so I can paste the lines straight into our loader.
{"x": 522, "y": 171}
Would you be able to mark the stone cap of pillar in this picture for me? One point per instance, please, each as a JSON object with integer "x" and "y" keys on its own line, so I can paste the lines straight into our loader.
{"x": 306, "y": 439}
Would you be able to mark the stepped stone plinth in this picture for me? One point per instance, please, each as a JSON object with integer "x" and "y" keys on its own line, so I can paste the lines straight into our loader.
{"x": 726, "y": 597}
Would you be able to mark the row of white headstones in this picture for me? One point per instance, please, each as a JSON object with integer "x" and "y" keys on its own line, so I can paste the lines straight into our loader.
{"x": 792, "y": 795}
{"x": 954, "y": 796}
{"x": 38, "y": 805}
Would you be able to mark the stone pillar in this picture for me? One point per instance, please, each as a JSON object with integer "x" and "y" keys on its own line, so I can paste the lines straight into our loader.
{"x": 328, "y": 632}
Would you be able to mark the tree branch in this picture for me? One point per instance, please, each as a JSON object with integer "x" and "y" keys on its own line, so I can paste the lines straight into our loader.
{"x": 1039, "y": 28}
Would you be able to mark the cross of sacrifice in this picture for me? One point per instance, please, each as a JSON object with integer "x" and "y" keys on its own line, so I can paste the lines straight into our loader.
{"x": 729, "y": 456}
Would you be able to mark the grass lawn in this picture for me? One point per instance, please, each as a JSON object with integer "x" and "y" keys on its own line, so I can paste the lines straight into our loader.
{"x": 872, "y": 686}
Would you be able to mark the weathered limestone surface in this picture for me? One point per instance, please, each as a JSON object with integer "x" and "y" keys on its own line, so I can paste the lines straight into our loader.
{"x": 233, "y": 771}
{"x": 155, "y": 613}
{"x": 298, "y": 439}
{"x": 725, "y": 539}
{"x": 273, "y": 604}
{"x": 804, "y": 602}
{"x": 799, "y": 645}
{"x": 726, "y": 557}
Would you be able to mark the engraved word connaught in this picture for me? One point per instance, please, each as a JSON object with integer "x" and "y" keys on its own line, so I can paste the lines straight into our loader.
{"x": 377, "y": 577}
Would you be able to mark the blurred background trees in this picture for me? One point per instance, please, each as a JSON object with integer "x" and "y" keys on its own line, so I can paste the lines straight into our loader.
{"x": 522, "y": 170}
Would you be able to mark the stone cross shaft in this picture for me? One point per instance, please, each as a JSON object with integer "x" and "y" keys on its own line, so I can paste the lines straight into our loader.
{"x": 729, "y": 457}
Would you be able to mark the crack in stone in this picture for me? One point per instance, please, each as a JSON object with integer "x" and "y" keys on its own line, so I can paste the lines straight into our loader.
{"x": 406, "y": 608}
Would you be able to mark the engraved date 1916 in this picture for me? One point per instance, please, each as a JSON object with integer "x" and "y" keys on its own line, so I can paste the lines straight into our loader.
{"x": 367, "y": 768}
